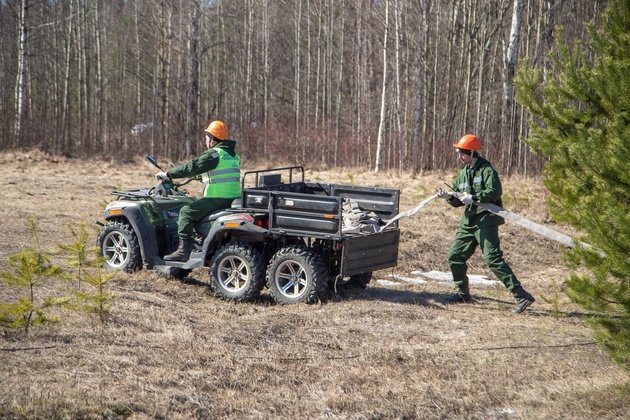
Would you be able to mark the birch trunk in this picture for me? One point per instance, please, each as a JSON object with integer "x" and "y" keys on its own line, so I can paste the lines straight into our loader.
{"x": 339, "y": 83}
{"x": 20, "y": 82}
{"x": 164, "y": 66}
{"x": 511, "y": 54}
{"x": 249, "y": 60}
{"x": 138, "y": 101}
{"x": 470, "y": 20}
{"x": 296, "y": 59}
{"x": 101, "y": 95}
{"x": 266, "y": 75}
{"x": 435, "y": 103}
{"x": 509, "y": 68}
{"x": 66, "y": 82}
{"x": 309, "y": 60}
{"x": 420, "y": 77}
{"x": 193, "y": 76}
{"x": 397, "y": 107}
{"x": 381, "y": 127}
{"x": 83, "y": 103}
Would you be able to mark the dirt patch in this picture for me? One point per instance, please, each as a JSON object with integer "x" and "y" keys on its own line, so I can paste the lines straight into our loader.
{"x": 173, "y": 350}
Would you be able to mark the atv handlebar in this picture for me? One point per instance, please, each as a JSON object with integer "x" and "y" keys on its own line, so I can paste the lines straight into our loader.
{"x": 153, "y": 161}
{"x": 166, "y": 186}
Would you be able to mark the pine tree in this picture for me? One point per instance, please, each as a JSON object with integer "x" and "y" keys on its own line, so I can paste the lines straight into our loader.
{"x": 29, "y": 269}
{"x": 581, "y": 113}
{"x": 86, "y": 266}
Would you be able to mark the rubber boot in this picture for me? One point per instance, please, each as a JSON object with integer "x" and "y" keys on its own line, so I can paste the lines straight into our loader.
{"x": 523, "y": 299}
{"x": 462, "y": 295}
{"x": 182, "y": 253}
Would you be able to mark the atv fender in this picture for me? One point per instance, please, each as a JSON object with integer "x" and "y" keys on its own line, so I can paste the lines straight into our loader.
{"x": 234, "y": 222}
{"x": 146, "y": 235}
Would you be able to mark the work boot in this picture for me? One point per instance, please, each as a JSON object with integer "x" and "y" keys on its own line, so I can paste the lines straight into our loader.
{"x": 523, "y": 299}
{"x": 462, "y": 296}
{"x": 182, "y": 253}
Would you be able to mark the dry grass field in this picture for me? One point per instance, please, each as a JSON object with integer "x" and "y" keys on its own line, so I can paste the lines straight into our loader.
{"x": 395, "y": 350}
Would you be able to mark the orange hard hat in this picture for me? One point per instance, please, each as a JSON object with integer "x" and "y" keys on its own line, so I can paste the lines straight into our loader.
{"x": 469, "y": 142}
{"x": 218, "y": 129}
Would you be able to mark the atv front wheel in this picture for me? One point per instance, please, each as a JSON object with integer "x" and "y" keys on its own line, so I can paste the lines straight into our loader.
{"x": 296, "y": 274}
{"x": 119, "y": 246}
{"x": 237, "y": 272}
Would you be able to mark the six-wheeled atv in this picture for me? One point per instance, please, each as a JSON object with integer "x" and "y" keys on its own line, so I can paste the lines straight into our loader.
{"x": 288, "y": 237}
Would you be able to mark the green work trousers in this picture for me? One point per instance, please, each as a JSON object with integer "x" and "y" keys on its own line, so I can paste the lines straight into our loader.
{"x": 194, "y": 212}
{"x": 487, "y": 238}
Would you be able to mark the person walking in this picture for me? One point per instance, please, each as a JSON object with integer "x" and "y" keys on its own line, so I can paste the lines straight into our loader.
{"x": 220, "y": 170}
{"x": 478, "y": 182}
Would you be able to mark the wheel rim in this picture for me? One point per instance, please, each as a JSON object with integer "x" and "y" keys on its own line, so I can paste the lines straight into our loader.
{"x": 233, "y": 274}
{"x": 291, "y": 279}
{"x": 116, "y": 249}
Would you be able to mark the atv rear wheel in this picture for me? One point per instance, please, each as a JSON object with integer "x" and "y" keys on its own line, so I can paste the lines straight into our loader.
{"x": 296, "y": 274}
{"x": 118, "y": 244}
{"x": 237, "y": 272}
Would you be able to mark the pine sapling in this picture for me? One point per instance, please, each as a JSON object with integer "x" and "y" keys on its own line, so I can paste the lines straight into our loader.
{"x": 99, "y": 299}
{"x": 87, "y": 263}
{"x": 77, "y": 254}
{"x": 29, "y": 268}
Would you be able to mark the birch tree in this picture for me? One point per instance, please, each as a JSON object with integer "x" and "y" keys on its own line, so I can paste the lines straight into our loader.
{"x": 381, "y": 127}
{"x": 165, "y": 15}
{"x": 420, "y": 87}
{"x": 20, "y": 83}
{"x": 509, "y": 67}
{"x": 339, "y": 84}
{"x": 193, "y": 76}
{"x": 296, "y": 58}
{"x": 511, "y": 54}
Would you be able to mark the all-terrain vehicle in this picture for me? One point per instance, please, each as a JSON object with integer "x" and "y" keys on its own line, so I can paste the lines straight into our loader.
{"x": 287, "y": 236}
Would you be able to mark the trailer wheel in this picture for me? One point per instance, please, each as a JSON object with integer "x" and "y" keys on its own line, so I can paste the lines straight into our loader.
{"x": 118, "y": 245}
{"x": 237, "y": 272}
{"x": 296, "y": 274}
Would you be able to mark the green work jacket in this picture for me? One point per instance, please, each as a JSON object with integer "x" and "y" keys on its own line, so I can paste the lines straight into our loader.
{"x": 219, "y": 168}
{"x": 482, "y": 182}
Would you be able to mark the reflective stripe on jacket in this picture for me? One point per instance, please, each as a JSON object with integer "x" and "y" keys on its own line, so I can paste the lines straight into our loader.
{"x": 224, "y": 181}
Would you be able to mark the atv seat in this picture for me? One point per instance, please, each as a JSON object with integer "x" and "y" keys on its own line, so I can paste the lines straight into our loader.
{"x": 203, "y": 226}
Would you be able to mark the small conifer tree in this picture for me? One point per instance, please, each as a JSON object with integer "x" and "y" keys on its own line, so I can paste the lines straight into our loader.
{"x": 77, "y": 253}
{"x": 87, "y": 265}
{"x": 582, "y": 112}
{"x": 30, "y": 268}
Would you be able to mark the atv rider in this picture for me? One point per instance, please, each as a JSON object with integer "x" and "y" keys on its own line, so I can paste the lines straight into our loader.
{"x": 479, "y": 182}
{"x": 219, "y": 167}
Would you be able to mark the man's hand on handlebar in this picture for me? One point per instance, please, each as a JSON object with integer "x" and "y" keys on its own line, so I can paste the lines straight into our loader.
{"x": 162, "y": 176}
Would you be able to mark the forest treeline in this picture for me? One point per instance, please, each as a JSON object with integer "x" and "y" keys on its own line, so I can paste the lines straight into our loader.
{"x": 380, "y": 84}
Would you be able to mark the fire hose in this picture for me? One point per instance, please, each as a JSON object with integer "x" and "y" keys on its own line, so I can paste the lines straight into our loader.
{"x": 505, "y": 214}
